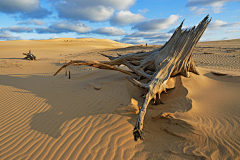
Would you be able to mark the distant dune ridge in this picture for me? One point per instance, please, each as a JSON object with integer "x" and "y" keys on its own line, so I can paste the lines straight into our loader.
{"x": 91, "y": 115}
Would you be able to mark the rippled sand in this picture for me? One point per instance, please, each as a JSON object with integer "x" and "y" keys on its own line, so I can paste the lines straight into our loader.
{"x": 91, "y": 115}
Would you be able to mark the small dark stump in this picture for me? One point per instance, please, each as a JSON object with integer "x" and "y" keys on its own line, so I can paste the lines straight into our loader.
{"x": 29, "y": 55}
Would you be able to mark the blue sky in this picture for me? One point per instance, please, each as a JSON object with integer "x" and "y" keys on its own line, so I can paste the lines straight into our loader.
{"x": 128, "y": 21}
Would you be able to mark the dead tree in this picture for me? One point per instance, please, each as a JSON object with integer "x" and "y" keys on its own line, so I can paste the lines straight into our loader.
{"x": 29, "y": 55}
{"x": 157, "y": 66}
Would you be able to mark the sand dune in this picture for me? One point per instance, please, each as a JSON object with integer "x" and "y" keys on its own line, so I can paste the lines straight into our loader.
{"x": 91, "y": 115}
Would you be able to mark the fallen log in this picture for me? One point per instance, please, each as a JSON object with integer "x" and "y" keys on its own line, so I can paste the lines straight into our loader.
{"x": 157, "y": 66}
{"x": 29, "y": 55}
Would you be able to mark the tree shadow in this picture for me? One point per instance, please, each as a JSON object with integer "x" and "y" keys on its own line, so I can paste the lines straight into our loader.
{"x": 164, "y": 131}
{"x": 15, "y": 58}
{"x": 79, "y": 92}
{"x": 73, "y": 105}
{"x": 159, "y": 126}
{"x": 223, "y": 77}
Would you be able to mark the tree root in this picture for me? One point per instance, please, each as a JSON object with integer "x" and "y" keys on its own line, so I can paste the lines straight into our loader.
{"x": 157, "y": 66}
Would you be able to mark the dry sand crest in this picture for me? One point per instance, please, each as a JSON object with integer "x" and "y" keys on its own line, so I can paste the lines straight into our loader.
{"x": 91, "y": 115}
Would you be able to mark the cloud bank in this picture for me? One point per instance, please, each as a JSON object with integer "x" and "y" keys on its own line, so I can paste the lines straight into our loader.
{"x": 156, "y": 24}
{"x": 123, "y": 18}
{"x": 65, "y": 27}
{"x": 216, "y": 5}
{"x": 33, "y": 21}
{"x": 25, "y": 8}
{"x": 218, "y": 24}
{"x": 18, "y": 29}
{"x": 5, "y": 35}
{"x": 91, "y": 10}
{"x": 232, "y": 31}
{"x": 142, "y": 37}
{"x": 109, "y": 31}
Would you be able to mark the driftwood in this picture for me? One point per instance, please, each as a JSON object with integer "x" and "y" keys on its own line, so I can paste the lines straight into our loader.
{"x": 157, "y": 66}
{"x": 29, "y": 55}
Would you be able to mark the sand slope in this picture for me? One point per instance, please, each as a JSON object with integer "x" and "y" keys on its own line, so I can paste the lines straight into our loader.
{"x": 91, "y": 115}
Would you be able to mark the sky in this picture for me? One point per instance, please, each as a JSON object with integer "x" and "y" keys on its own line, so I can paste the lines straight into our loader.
{"x": 127, "y": 21}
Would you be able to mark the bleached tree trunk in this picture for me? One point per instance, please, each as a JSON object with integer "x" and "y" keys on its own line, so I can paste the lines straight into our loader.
{"x": 157, "y": 66}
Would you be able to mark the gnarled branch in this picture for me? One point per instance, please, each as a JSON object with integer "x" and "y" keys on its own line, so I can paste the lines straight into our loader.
{"x": 157, "y": 66}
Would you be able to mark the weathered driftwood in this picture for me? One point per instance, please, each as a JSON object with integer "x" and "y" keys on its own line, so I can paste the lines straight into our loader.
{"x": 29, "y": 55}
{"x": 157, "y": 66}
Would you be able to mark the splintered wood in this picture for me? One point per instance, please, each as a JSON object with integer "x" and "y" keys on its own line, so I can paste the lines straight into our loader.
{"x": 157, "y": 66}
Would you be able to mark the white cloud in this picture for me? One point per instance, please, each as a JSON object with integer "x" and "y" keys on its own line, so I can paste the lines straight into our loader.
{"x": 117, "y": 4}
{"x": 33, "y": 21}
{"x": 5, "y": 35}
{"x": 54, "y": 37}
{"x": 207, "y": 34}
{"x": 109, "y": 31}
{"x": 216, "y": 5}
{"x": 131, "y": 38}
{"x": 143, "y": 37}
{"x": 156, "y": 24}
{"x": 233, "y": 24}
{"x": 232, "y": 31}
{"x": 65, "y": 27}
{"x": 199, "y": 10}
{"x": 143, "y": 11}
{"x": 133, "y": 41}
{"x": 26, "y": 8}
{"x": 227, "y": 38}
{"x": 18, "y": 29}
{"x": 123, "y": 18}
{"x": 94, "y": 14}
{"x": 79, "y": 28}
{"x": 139, "y": 41}
{"x": 218, "y": 24}
{"x": 150, "y": 35}
{"x": 91, "y": 10}
{"x": 12, "y": 6}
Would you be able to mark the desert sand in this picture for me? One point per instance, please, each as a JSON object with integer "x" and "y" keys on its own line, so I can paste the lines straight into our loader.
{"x": 92, "y": 115}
